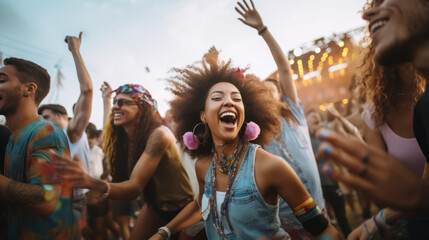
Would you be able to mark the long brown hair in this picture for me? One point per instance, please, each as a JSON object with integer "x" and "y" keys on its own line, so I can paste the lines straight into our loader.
{"x": 381, "y": 85}
{"x": 120, "y": 153}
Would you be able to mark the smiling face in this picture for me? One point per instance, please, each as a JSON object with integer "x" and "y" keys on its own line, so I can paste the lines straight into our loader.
{"x": 396, "y": 28}
{"x": 127, "y": 114}
{"x": 224, "y": 112}
{"x": 10, "y": 90}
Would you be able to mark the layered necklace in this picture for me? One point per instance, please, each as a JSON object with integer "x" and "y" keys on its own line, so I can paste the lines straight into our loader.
{"x": 227, "y": 167}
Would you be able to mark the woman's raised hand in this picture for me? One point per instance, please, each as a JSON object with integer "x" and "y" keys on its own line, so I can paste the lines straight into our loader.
{"x": 250, "y": 15}
{"x": 211, "y": 57}
{"x": 106, "y": 91}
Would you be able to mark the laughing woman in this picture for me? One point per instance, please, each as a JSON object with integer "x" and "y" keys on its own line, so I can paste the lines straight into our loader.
{"x": 143, "y": 157}
{"x": 239, "y": 182}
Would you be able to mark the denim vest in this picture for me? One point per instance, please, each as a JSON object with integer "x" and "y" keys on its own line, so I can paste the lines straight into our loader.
{"x": 250, "y": 216}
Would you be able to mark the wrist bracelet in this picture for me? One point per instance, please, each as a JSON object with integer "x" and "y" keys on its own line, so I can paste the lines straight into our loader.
{"x": 165, "y": 229}
{"x": 162, "y": 235}
{"x": 366, "y": 228}
{"x": 107, "y": 193}
{"x": 383, "y": 220}
{"x": 376, "y": 222}
{"x": 260, "y": 32}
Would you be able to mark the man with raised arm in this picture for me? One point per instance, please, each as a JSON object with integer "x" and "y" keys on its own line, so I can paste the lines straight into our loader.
{"x": 75, "y": 128}
{"x": 38, "y": 207}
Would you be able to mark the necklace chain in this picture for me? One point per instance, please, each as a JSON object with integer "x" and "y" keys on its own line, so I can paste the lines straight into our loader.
{"x": 225, "y": 164}
{"x": 232, "y": 172}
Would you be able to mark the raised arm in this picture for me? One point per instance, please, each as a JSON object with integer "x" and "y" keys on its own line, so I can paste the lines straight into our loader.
{"x": 252, "y": 18}
{"x": 83, "y": 107}
{"x": 106, "y": 94}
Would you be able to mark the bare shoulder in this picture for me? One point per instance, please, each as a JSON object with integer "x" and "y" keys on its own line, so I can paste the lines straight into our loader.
{"x": 162, "y": 132}
{"x": 202, "y": 165}
{"x": 269, "y": 164}
{"x": 159, "y": 140}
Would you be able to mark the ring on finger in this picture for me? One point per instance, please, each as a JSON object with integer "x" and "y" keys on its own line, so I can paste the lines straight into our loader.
{"x": 364, "y": 170}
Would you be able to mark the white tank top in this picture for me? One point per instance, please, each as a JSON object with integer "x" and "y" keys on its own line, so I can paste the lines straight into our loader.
{"x": 81, "y": 148}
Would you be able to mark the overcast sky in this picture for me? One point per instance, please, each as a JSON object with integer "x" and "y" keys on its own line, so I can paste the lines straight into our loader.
{"x": 122, "y": 37}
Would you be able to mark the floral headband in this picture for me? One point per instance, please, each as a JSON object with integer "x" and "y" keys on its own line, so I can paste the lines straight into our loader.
{"x": 137, "y": 92}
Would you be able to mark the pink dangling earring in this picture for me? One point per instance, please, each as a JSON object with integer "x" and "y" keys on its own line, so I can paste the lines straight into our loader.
{"x": 192, "y": 141}
{"x": 252, "y": 131}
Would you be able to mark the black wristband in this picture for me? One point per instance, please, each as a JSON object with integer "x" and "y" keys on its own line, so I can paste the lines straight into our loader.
{"x": 260, "y": 32}
{"x": 316, "y": 225}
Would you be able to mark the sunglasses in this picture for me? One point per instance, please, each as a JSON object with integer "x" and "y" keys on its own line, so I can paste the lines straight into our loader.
{"x": 122, "y": 102}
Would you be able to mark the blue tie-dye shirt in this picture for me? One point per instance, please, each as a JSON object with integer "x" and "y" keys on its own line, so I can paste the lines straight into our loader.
{"x": 27, "y": 160}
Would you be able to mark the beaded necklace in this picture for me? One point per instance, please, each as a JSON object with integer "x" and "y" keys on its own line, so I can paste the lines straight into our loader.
{"x": 225, "y": 165}
{"x": 217, "y": 220}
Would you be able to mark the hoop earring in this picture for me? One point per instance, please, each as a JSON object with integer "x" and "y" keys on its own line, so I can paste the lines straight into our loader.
{"x": 192, "y": 140}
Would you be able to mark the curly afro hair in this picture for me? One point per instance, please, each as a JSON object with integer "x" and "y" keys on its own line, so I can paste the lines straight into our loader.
{"x": 192, "y": 84}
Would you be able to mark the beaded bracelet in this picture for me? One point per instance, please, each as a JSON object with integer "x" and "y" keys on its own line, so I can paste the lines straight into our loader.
{"x": 167, "y": 230}
{"x": 107, "y": 193}
{"x": 101, "y": 196}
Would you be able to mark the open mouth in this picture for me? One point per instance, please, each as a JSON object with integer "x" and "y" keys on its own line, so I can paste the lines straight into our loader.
{"x": 228, "y": 118}
{"x": 377, "y": 25}
{"x": 117, "y": 115}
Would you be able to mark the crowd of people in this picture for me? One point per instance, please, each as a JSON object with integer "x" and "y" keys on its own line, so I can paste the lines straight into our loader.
{"x": 235, "y": 157}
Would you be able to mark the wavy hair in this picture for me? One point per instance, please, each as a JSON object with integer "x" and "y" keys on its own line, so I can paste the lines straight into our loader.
{"x": 192, "y": 84}
{"x": 120, "y": 154}
{"x": 380, "y": 85}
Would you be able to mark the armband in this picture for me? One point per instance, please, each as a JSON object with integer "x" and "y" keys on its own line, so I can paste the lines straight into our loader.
{"x": 310, "y": 216}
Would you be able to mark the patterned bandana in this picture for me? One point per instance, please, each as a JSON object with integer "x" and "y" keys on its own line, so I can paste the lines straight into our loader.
{"x": 137, "y": 92}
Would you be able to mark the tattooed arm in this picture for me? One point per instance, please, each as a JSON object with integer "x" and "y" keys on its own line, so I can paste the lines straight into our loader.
{"x": 32, "y": 198}
{"x": 39, "y": 194}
